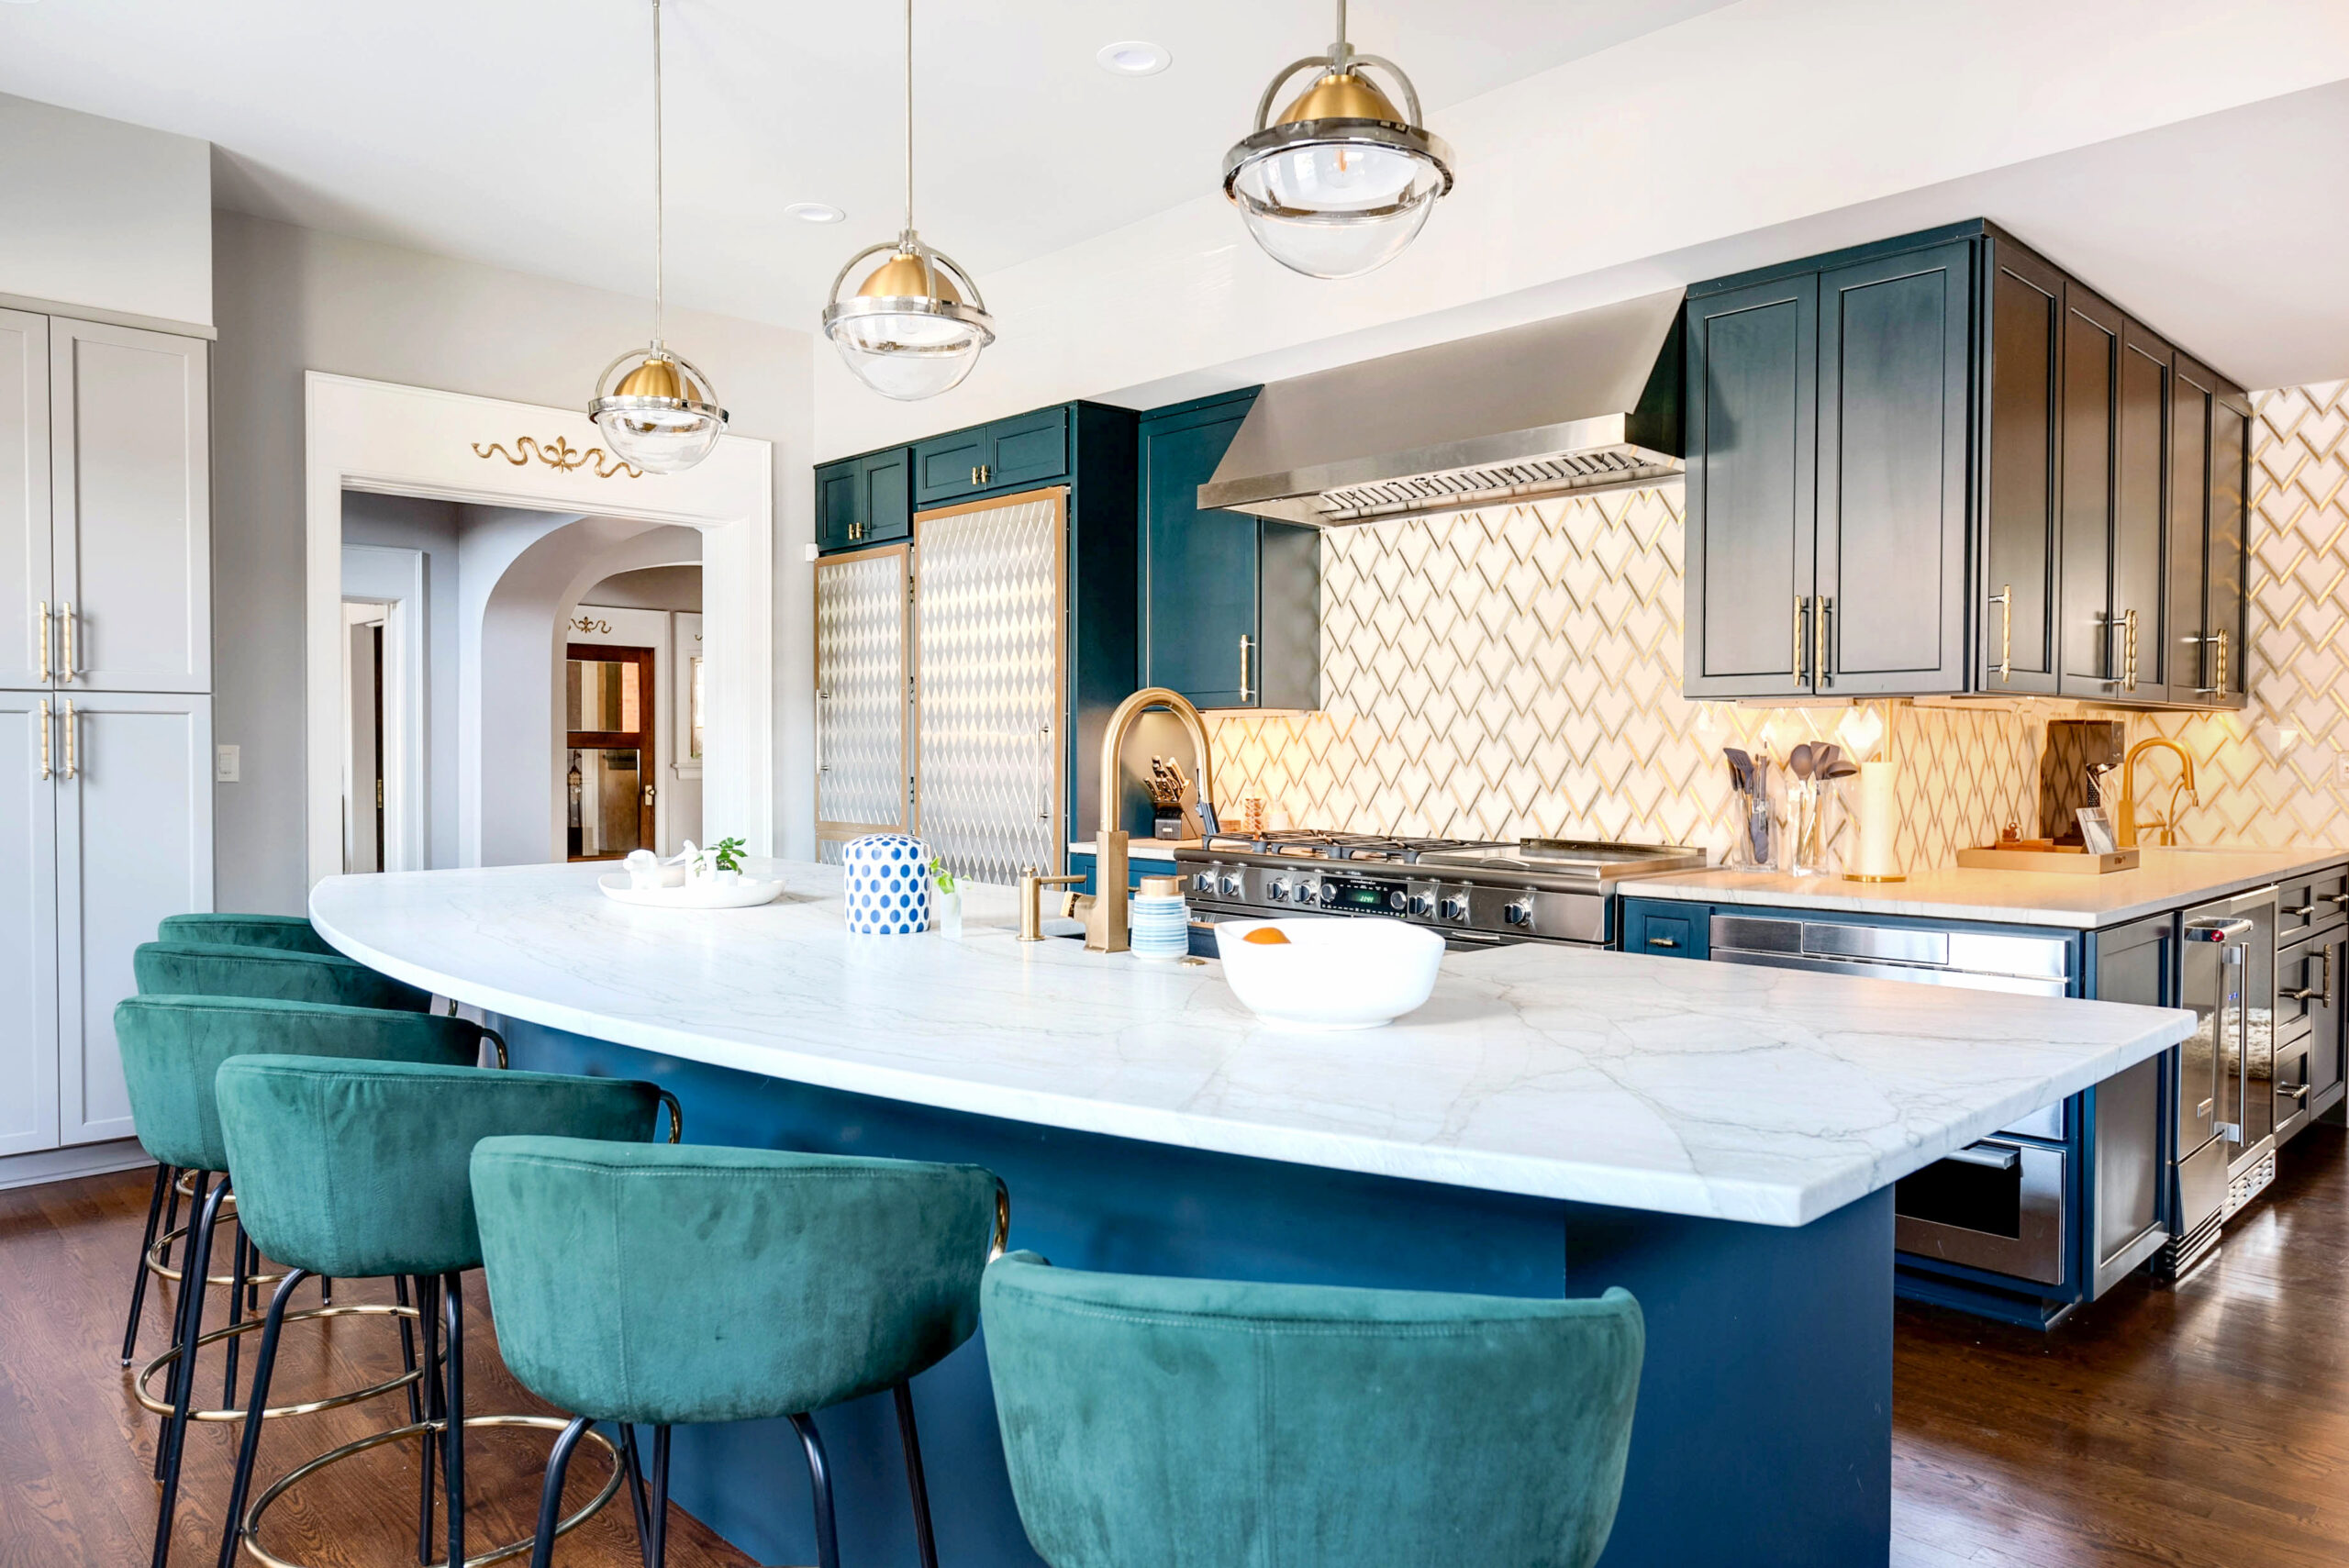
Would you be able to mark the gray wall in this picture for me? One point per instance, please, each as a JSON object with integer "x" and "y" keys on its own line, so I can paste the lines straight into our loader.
{"x": 288, "y": 300}
{"x": 654, "y": 588}
{"x": 97, "y": 213}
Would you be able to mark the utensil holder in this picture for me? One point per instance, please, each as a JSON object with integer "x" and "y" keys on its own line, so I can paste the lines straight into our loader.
{"x": 1813, "y": 808}
{"x": 1753, "y": 844}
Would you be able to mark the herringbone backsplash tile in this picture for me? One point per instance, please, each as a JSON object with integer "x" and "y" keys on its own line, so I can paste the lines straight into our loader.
{"x": 1517, "y": 672}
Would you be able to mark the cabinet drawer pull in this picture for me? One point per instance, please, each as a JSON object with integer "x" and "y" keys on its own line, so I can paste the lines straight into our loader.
{"x": 2129, "y": 643}
{"x": 2300, "y": 911}
{"x": 2204, "y": 1109}
{"x": 44, "y": 642}
{"x": 1662, "y": 942}
{"x": 2005, "y": 599}
{"x": 1823, "y": 668}
{"x": 70, "y": 771}
{"x": 1802, "y": 616}
{"x": 44, "y": 741}
{"x": 65, "y": 669}
{"x": 1247, "y": 694}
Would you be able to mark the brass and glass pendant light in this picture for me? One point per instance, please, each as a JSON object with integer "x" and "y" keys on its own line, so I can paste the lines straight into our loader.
{"x": 663, "y": 414}
{"x": 915, "y": 326}
{"x": 1341, "y": 183}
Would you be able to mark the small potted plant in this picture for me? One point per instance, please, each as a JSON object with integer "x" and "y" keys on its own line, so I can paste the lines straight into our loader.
{"x": 726, "y": 858}
{"x": 946, "y": 908}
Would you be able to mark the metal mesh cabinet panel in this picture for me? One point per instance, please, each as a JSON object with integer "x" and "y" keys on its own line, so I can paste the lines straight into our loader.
{"x": 862, "y": 761}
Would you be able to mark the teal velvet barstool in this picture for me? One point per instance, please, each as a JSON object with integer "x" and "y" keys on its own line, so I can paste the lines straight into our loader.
{"x": 172, "y": 1048}
{"x": 1182, "y": 1423}
{"x": 293, "y": 933}
{"x": 362, "y": 1170}
{"x": 655, "y": 1286}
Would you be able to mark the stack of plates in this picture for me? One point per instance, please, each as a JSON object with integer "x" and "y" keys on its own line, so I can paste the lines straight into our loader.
{"x": 1158, "y": 927}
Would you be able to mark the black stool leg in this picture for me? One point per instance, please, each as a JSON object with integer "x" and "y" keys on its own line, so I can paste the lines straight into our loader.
{"x": 550, "y": 1495}
{"x": 428, "y": 1317}
{"x": 240, "y": 1270}
{"x": 407, "y": 1350}
{"x": 453, "y": 1461}
{"x": 196, "y": 1260}
{"x": 171, "y": 1212}
{"x": 325, "y": 1290}
{"x": 820, "y": 1476}
{"x": 923, "y": 1537}
{"x": 139, "y": 1275}
{"x": 249, "y": 1446}
{"x": 636, "y": 1494}
{"x": 657, "y": 1507}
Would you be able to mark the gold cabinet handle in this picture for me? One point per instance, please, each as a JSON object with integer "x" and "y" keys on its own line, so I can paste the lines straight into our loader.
{"x": 2128, "y": 647}
{"x": 1802, "y": 614}
{"x": 65, "y": 670}
{"x": 2223, "y": 663}
{"x": 70, "y": 770}
{"x": 2005, "y": 599}
{"x": 44, "y": 642}
{"x": 1820, "y": 665}
{"x": 1245, "y": 695}
{"x": 44, "y": 739}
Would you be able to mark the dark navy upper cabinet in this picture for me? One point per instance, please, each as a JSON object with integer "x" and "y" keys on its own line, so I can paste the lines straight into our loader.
{"x": 1937, "y": 464}
{"x": 1028, "y": 448}
{"x": 863, "y": 500}
{"x": 1230, "y": 604}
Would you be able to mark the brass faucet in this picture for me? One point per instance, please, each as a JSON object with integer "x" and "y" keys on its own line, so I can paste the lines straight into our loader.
{"x": 1032, "y": 883}
{"x": 2125, "y": 828}
{"x": 1104, "y": 927}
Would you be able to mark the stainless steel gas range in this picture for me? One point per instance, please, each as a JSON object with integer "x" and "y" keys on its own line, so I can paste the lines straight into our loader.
{"x": 1477, "y": 892}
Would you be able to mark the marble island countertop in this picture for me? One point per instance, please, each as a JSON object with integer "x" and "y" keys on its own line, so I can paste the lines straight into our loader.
{"x": 2163, "y": 879}
{"x": 1701, "y": 1089}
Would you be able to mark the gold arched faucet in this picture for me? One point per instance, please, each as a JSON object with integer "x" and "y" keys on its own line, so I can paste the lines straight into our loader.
{"x": 2125, "y": 828}
{"x": 1105, "y": 925}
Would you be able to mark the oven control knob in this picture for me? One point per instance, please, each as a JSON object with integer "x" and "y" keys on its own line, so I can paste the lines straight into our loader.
{"x": 1456, "y": 906}
{"x": 1202, "y": 882}
{"x": 1278, "y": 891}
{"x": 1520, "y": 912}
{"x": 1422, "y": 904}
{"x": 1395, "y": 900}
{"x": 1231, "y": 884}
{"x": 1306, "y": 892}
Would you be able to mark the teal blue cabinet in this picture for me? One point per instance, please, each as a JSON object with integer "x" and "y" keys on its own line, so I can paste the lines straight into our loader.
{"x": 1028, "y": 448}
{"x": 863, "y": 500}
{"x": 1230, "y": 604}
{"x": 1666, "y": 929}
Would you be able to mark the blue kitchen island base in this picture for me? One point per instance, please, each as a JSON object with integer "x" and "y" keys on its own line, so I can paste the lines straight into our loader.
{"x": 1763, "y": 1429}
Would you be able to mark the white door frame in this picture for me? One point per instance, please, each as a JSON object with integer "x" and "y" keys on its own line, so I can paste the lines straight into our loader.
{"x": 413, "y": 440}
{"x": 393, "y": 576}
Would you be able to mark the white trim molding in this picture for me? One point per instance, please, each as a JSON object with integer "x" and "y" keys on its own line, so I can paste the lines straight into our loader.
{"x": 411, "y": 441}
{"x": 393, "y": 576}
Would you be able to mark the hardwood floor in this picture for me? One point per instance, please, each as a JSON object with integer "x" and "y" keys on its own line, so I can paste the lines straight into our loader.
{"x": 2205, "y": 1426}
{"x": 2200, "y": 1427}
{"x": 77, "y": 1452}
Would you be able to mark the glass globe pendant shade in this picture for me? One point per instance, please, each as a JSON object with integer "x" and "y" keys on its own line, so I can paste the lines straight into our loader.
{"x": 658, "y": 416}
{"x": 906, "y": 333}
{"x": 1343, "y": 182}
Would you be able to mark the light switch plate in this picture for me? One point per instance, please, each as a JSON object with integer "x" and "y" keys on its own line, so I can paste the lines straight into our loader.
{"x": 226, "y": 761}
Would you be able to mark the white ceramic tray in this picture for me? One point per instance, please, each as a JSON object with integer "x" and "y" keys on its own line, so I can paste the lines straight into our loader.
{"x": 682, "y": 894}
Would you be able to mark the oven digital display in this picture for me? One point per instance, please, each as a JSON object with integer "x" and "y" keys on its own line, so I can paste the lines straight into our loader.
{"x": 1358, "y": 897}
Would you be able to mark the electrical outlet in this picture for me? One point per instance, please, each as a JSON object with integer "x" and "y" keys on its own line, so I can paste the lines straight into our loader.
{"x": 2341, "y": 770}
{"x": 225, "y": 763}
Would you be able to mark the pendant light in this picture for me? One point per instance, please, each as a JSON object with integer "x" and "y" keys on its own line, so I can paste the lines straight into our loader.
{"x": 916, "y": 326}
{"x": 663, "y": 414}
{"x": 1341, "y": 183}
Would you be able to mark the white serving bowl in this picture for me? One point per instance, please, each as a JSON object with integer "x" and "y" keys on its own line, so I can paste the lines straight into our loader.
{"x": 1332, "y": 972}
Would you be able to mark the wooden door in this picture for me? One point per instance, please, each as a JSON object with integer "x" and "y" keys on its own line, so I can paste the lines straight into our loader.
{"x": 2229, "y": 572}
{"x": 26, "y": 648}
{"x": 130, "y": 477}
{"x": 1200, "y": 595}
{"x": 1753, "y": 506}
{"x": 608, "y": 700}
{"x": 2140, "y": 523}
{"x": 2191, "y": 650}
{"x": 2087, "y": 640}
{"x": 134, "y": 844}
{"x": 1893, "y": 366}
{"x": 2020, "y": 591}
{"x": 29, "y": 921}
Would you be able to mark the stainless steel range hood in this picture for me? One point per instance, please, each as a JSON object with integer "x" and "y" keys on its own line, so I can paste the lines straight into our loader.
{"x": 1584, "y": 403}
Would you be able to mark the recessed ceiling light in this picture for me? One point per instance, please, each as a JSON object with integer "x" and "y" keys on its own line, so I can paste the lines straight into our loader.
{"x": 814, "y": 212}
{"x": 1134, "y": 58}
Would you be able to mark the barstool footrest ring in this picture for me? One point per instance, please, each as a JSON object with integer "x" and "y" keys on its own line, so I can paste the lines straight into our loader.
{"x": 254, "y": 1325}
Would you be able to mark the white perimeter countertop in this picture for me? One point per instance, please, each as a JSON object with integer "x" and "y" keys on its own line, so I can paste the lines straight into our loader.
{"x": 1645, "y": 1083}
{"x": 2164, "y": 879}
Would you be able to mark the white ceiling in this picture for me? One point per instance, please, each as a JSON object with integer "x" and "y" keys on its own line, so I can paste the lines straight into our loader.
{"x": 515, "y": 133}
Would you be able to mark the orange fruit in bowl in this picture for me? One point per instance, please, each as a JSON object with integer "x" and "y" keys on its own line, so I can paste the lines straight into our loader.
{"x": 1270, "y": 936}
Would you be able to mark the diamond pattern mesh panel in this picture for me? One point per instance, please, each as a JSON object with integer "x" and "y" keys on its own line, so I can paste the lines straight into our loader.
{"x": 987, "y": 620}
{"x": 859, "y": 696}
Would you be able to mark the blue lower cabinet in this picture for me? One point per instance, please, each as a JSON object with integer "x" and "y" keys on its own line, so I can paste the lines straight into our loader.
{"x": 1666, "y": 929}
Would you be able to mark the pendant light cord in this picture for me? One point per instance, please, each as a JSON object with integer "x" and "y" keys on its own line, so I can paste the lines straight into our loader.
{"x": 659, "y": 194}
{"x": 909, "y": 117}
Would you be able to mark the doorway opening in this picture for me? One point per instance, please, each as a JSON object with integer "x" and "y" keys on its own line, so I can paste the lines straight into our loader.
{"x": 610, "y": 712}
{"x": 362, "y": 739}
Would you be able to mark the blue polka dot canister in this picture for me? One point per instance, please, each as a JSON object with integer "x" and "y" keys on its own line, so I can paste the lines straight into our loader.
{"x": 886, "y": 880}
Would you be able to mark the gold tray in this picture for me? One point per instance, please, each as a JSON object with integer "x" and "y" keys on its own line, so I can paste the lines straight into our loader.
{"x": 2073, "y": 863}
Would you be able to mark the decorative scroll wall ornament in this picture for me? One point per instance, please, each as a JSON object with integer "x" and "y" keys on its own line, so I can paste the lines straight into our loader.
{"x": 562, "y": 455}
{"x": 594, "y": 624}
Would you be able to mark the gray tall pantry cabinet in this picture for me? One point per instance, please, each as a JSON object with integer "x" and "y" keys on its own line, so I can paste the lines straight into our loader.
{"x": 105, "y": 706}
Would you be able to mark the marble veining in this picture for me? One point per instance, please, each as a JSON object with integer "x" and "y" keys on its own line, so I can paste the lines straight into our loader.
{"x": 1712, "y": 1090}
{"x": 2164, "y": 879}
